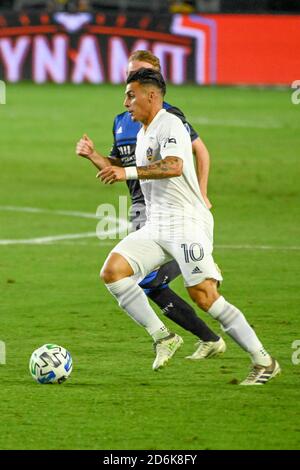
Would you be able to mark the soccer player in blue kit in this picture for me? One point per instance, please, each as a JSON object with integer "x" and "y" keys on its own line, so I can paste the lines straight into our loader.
{"x": 156, "y": 284}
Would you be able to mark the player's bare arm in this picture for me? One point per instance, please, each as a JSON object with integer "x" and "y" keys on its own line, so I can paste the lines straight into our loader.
{"x": 85, "y": 148}
{"x": 202, "y": 160}
{"x": 169, "y": 167}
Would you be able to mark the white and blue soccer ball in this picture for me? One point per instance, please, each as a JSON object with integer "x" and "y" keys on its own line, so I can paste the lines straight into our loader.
{"x": 50, "y": 364}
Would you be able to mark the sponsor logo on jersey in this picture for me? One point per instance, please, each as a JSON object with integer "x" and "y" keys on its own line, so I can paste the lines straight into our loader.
{"x": 124, "y": 150}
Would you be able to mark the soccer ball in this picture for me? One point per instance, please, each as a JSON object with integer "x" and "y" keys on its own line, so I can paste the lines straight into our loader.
{"x": 50, "y": 364}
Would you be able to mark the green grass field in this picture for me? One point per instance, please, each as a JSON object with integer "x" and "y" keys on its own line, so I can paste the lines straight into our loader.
{"x": 50, "y": 292}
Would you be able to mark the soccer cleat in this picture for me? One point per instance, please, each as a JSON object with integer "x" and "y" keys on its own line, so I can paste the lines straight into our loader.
{"x": 207, "y": 349}
{"x": 259, "y": 375}
{"x": 165, "y": 348}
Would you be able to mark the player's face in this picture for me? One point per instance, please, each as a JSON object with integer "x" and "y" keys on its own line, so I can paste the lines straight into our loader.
{"x": 137, "y": 101}
{"x": 135, "y": 65}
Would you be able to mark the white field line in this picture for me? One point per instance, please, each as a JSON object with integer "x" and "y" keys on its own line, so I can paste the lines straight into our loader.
{"x": 216, "y": 247}
{"x": 123, "y": 225}
{"x": 235, "y": 123}
{"x": 36, "y": 210}
{"x": 42, "y": 240}
{"x": 258, "y": 247}
{"x": 78, "y": 236}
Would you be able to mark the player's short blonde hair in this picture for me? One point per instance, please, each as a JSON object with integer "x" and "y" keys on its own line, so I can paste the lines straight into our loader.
{"x": 146, "y": 56}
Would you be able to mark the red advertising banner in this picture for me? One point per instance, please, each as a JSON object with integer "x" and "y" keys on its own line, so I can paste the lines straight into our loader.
{"x": 205, "y": 49}
{"x": 258, "y": 49}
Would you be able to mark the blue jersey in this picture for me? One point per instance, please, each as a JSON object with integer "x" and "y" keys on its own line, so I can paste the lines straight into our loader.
{"x": 125, "y": 133}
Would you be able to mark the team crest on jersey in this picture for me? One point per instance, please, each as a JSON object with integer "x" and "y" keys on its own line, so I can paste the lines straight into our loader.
{"x": 149, "y": 153}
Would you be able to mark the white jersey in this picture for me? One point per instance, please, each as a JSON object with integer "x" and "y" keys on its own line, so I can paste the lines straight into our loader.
{"x": 176, "y": 203}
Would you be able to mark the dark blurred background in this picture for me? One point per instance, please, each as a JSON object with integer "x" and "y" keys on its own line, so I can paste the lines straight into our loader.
{"x": 173, "y": 6}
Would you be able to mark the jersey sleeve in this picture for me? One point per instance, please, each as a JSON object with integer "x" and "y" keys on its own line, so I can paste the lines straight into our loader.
{"x": 177, "y": 112}
{"x": 114, "y": 152}
{"x": 172, "y": 139}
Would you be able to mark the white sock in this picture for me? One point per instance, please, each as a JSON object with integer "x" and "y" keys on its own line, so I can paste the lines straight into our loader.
{"x": 133, "y": 300}
{"x": 235, "y": 325}
{"x": 261, "y": 357}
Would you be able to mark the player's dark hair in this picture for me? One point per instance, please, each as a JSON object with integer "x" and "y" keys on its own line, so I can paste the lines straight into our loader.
{"x": 146, "y": 76}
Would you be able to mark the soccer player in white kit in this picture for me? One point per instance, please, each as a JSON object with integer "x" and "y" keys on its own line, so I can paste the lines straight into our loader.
{"x": 156, "y": 284}
{"x": 179, "y": 226}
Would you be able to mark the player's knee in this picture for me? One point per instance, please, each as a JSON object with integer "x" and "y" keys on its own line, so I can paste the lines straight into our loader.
{"x": 108, "y": 274}
{"x": 115, "y": 268}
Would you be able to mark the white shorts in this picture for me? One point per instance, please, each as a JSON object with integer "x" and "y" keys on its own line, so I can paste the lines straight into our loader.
{"x": 194, "y": 256}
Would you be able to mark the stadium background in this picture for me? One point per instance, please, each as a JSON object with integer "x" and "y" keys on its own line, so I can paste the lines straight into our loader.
{"x": 63, "y": 65}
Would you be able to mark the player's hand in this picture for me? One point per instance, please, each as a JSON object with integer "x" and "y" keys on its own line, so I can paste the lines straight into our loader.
{"x": 85, "y": 147}
{"x": 111, "y": 175}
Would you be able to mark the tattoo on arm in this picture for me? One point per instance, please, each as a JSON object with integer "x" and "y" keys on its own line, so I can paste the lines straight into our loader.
{"x": 169, "y": 167}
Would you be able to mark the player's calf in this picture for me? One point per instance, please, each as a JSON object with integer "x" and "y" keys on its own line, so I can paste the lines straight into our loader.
{"x": 204, "y": 294}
